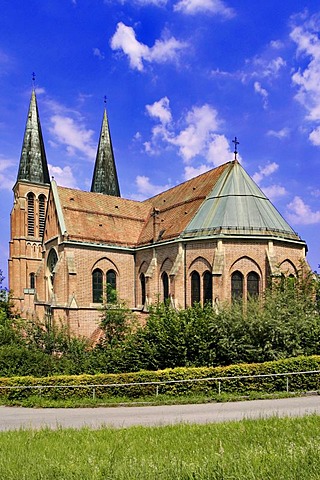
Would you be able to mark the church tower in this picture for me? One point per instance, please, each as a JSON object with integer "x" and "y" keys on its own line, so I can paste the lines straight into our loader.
{"x": 105, "y": 178}
{"x": 28, "y": 213}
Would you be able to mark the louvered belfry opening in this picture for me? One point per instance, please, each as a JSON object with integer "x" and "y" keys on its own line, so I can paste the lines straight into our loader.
{"x": 31, "y": 214}
{"x": 42, "y": 213}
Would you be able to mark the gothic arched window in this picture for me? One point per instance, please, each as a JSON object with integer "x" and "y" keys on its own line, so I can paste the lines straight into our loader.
{"x": 165, "y": 285}
{"x": 237, "y": 285}
{"x": 30, "y": 210}
{"x": 42, "y": 213}
{"x": 111, "y": 286}
{"x": 195, "y": 287}
{"x": 32, "y": 280}
{"x": 51, "y": 264}
{"x": 207, "y": 287}
{"x": 97, "y": 286}
{"x": 253, "y": 284}
{"x": 143, "y": 288}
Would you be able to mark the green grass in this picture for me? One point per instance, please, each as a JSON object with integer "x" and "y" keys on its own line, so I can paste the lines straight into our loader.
{"x": 107, "y": 401}
{"x": 271, "y": 449}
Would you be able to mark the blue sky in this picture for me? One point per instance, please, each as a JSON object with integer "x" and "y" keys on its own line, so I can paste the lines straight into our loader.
{"x": 182, "y": 78}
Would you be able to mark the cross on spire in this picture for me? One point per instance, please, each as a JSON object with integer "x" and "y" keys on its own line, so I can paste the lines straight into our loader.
{"x": 236, "y": 143}
{"x": 33, "y": 79}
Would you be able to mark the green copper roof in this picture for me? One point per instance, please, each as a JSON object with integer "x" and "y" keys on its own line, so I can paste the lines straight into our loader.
{"x": 237, "y": 206}
{"x": 33, "y": 163}
{"x": 105, "y": 179}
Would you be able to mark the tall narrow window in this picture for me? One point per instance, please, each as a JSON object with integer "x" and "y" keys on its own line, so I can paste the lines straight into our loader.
{"x": 111, "y": 286}
{"x": 97, "y": 286}
{"x": 236, "y": 285}
{"x": 32, "y": 280}
{"x": 143, "y": 288}
{"x": 165, "y": 285}
{"x": 42, "y": 213}
{"x": 207, "y": 287}
{"x": 51, "y": 263}
{"x": 195, "y": 287}
{"x": 30, "y": 200}
{"x": 253, "y": 284}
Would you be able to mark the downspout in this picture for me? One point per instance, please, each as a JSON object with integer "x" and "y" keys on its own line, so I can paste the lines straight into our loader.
{"x": 185, "y": 274}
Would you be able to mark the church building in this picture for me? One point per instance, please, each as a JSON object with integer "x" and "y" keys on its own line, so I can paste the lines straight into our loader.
{"x": 210, "y": 239}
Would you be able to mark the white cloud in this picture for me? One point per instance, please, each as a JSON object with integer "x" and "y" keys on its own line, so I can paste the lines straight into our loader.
{"x": 63, "y": 176}
{"x": 266, "y": 171}
{"x": 219, "y": 150}
{"x": 197, "y": 137}
{"x": 163, "y": 50}
{"x": 97, "y": 53}
{"x": 274, "y": 191}
{"x": 190, "y": 172}
{"x": 276, "y": 44}
{"x": 261, "y": 91}
{"x": 73, "y": 135}
{"x": 301, "y": 213}
{"x": 314, "y": 136}
{"x": 160, "y": 110}
{"x": 306, "y": 77}
{"x": 216, "y": 7}
{"x": 146, "y": 188}
{"x": 283, "y": 133}
{"x": 7, "y": 178}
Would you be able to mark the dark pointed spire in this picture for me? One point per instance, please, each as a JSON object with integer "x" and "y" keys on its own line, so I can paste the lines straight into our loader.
{"x": 105, "y": 178}
{"x": 33, "y": 163}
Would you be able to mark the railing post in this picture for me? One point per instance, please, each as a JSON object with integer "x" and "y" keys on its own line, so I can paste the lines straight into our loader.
{"x": 287, "y": 384}
{"x": 94, "y": 393}
{"x": 219, "y": 387}
{"x": 157, "y": 390}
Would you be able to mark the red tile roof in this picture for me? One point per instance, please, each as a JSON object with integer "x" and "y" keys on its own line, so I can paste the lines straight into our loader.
{"x": 99, "y": 218}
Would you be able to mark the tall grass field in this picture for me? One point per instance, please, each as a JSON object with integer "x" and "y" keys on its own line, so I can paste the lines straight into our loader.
{"x": 270, "y": 449}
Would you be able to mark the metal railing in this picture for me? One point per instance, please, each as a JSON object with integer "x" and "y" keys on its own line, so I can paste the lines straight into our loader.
{"x": 94, "y": 387}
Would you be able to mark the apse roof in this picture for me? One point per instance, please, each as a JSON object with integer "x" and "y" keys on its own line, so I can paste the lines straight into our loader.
{"x": 237, "y": 206}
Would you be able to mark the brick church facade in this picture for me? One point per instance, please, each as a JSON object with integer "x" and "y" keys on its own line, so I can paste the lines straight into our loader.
{"x": 211, "y": 238}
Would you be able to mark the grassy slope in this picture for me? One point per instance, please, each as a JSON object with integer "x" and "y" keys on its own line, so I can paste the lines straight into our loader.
{"x": 265, "y": 449}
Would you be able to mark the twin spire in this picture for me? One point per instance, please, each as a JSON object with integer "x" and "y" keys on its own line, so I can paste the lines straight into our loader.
{"x": 105, "y": 178}
{"x": 33, "y": 162}
{"x": 33, "y": 165}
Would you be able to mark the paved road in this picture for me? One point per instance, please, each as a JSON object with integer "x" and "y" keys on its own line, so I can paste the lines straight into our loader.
{"x": 12, "y": 418}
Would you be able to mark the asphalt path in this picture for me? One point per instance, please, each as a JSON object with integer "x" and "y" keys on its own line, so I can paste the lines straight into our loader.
{"x": 14, "y": 418}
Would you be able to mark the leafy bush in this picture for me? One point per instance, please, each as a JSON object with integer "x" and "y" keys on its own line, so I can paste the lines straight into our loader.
{"x": 302, "y": 382}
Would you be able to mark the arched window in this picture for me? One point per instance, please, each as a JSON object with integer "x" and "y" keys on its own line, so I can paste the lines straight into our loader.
{"x": 165, "y": 285}
{"x": 143, "y": 288}
{"x": 32, "y": 280}
{"x": 42, "y": 213}
{"x": 51, "y": 263}
{"x": 253, "y": 284}
{"x": 30, "y": 201}
{"x": 236, "y": 285}
{"x": 97, "y": 286}
{"x": 207, "y": 287}
{"x": 195, "y": 287}
{"x": 111, "y": 286}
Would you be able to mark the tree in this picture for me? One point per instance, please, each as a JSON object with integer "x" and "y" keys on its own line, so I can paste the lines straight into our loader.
{"x": 116, "y": 319}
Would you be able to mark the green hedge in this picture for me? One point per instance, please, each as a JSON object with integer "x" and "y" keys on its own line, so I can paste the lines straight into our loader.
{"x": 299, "y": 382}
